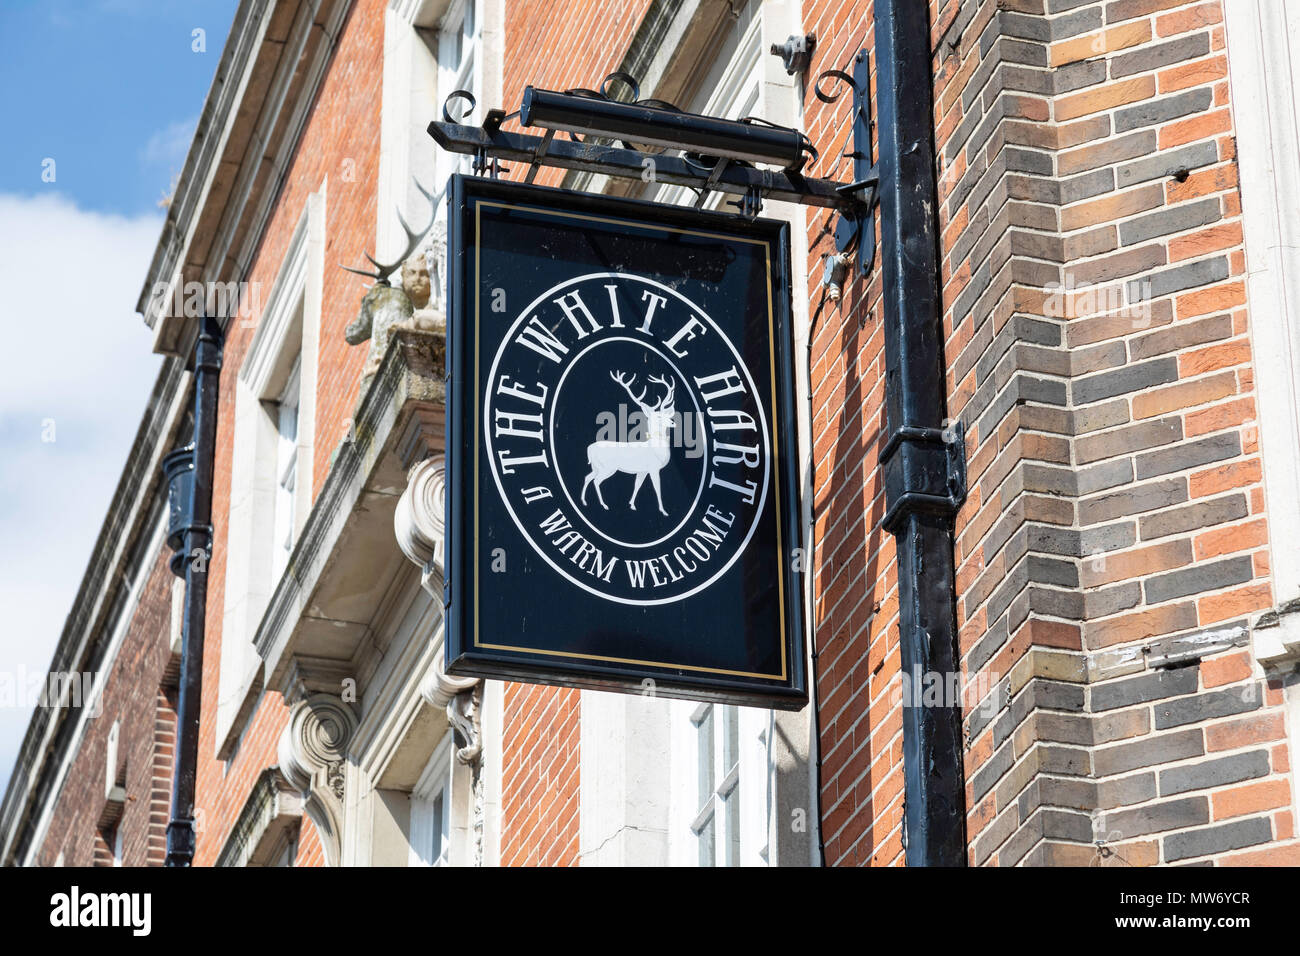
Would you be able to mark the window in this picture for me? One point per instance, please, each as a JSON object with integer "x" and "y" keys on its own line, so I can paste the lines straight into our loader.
{"x": 270, "y": 473}
{"x": 110, "y": 759}
{"x": 722, "y": 775}
{"x": 729, "y": 822}
{"x": 431, "y": 49}
{"x": 286, "y": 470}
{"x": 733, "y": 89}
{"x": 430, "y": 834}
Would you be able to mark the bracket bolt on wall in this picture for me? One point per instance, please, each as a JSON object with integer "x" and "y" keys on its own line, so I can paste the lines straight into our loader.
{"x": 796, "y": 52}
{"x": 835, "y": 269}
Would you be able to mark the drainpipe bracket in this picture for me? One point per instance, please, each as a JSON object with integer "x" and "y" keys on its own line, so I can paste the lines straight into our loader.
{"x": 924, "y": 471}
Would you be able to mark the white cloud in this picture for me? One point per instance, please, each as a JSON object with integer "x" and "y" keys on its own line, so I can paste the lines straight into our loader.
{"x": 74, "y": 355}
{"x": 168, "y": 146}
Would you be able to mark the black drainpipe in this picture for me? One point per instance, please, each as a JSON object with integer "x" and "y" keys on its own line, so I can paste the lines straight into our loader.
{"x": 196, "y": 535}
{"x": 923, "y": 462}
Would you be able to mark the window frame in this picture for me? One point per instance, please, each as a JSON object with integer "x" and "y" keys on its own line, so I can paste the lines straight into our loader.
{"x": 431, "y": 800}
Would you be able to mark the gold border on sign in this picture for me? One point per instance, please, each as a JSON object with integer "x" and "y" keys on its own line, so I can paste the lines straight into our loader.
{"x": 772, "y": 426}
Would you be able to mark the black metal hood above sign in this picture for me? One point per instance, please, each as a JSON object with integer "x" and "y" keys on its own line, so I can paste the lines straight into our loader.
{"x": 622, "y": 498}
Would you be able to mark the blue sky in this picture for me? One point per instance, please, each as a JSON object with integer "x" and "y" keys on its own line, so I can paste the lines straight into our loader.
{"x": 110, "y": 89}
{"x": 100, "y": 102}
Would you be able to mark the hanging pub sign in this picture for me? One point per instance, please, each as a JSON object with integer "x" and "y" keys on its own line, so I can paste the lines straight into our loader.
{"x": 622, "y": 500}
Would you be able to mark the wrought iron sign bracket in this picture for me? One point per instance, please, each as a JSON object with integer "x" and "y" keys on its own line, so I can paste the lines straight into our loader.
{"x": 856, "y": 229}
{"x": 609, "y": 137}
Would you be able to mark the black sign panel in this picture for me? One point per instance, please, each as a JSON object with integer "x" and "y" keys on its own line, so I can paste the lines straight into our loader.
{"x": 622, "y": 498}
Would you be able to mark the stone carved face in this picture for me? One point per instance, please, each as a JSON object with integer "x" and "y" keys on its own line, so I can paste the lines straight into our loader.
{"x": 415, "y": 281}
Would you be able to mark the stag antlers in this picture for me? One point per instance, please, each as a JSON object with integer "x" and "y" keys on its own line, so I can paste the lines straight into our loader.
{"x": 413, "y": 239}
{"x": 627, "y": 381}
{"x": 667, "y": 400}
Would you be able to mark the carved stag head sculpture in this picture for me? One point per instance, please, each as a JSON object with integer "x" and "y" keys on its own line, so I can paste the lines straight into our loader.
{"x": 385, "y": 306}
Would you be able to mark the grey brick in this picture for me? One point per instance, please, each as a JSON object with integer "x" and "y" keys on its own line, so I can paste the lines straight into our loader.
{"x": 1075, "y": 76}
{"x": 1167, "y": 163}
{"x": 996, "y": 834}
{"x": 1167, "y": 221}
{"x": 1170, "y": 815}
{"x": 1130, "y": 378}
{"x": 1108, "y": 152}
{"x": 1087, "y": 185}
{"x": 992, "y": 771}
{"x": 1162, "y": 110}
{"x": 1097, "y": 417}
{"x": 1147, "y": 752}
{"x": 1110, "y": 474}
{"x": 1126, "y": 791}
{"x": 974, "y": 289}
{"x": 1198, "y": 515}
{"x": 1214, "y": 773}
{"x": 1084, "y": 361}
{"x": 1041, "y": 537}
{"x": 1231, "y": 836}
{"x": 1081, "y": 21}
{"x": 1175, "y": 51}
{"x": 1117, "y": 504}
{"x": 1189, "y": 276}
{"x": 1067, "y": 604}
{"x": 1147, "y": 687}
{"x": 1057, "y": 695}
{"x": 1064, "y": 728}
{"x": 1109, "y": 537}
{"x": 1125, "y": 441}
{"x": 1048, "y": 481}
{"x": 1066, "y": 761}
{"x": 1073, "y": 792}
{"x": 1065, "y": 825}
{"x": 1190, "y": 454}
{"x": 1121, "y": 265}
{"x": 1221, "y": 703}
{"x": 1045, "y": 570}
{"x": 1181, "y": 336}
{"x": 1061, "y": 6}
{"x": 1020, "y": 51}
{"x": 1194, "y": 580}
{"x": 1103, "y": 602}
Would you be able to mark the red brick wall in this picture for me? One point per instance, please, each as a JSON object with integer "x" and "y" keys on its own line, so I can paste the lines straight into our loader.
{"x": 855, "y": 587}
{"x": 144, "y": 744}
{"x": 1086, "y": 489}
{"x": 339, "y": 147}
{"x": 539, "y": 800}
{"x": 1115, "y": 501}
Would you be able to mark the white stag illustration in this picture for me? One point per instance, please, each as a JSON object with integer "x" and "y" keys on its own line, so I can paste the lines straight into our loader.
{"x": 641, "y": 458}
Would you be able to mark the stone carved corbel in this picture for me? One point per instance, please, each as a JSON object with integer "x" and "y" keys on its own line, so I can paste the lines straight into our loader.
{"x": 462, "y": 697}
{"x": 418, "y": 520}
{"x": 419, "y": 527}
{"x": 312, "y": 751}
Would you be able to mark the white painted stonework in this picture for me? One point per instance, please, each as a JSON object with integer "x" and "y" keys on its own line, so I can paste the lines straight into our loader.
{"x": 1264, "y": 60}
